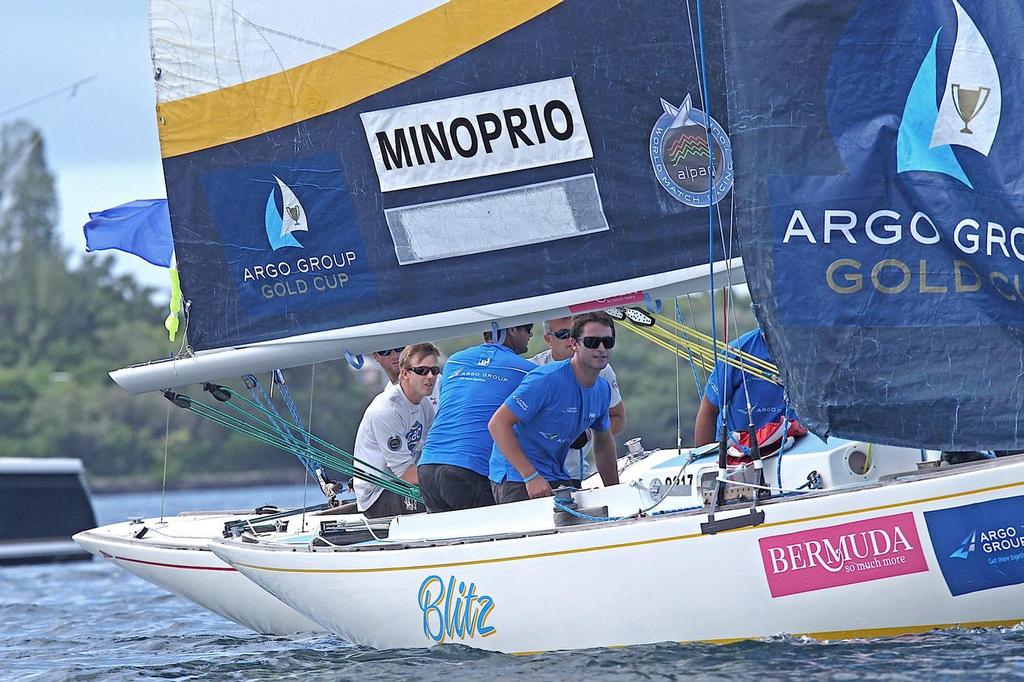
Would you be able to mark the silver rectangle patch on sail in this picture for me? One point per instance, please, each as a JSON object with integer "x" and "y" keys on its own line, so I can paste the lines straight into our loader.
{"x": 568, "y": 207}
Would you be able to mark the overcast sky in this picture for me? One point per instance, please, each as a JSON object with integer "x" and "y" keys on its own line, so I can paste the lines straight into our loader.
{"x": 101, "y": 140}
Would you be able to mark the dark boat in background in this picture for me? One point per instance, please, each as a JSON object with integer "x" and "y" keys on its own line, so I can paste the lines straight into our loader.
{"x": 43, "y": 502}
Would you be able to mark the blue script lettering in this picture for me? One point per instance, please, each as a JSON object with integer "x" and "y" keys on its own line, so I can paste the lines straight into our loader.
{"x": 454, "y": 610}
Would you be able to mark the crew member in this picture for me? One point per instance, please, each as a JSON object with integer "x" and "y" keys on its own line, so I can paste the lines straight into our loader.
{"x": 454, "y": 466}
{"x": 556, "y": 402}
{"x": 388, "y": 359}
{"x": 393, "y": 429}
{"x": 580, "y": 461}
{"x": 767, "y": 400}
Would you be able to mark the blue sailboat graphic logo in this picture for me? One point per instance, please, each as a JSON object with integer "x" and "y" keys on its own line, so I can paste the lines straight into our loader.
{"x": 968, "y": 113}
{"x": 282, "y": 223}
{"x": 965, "y": 548}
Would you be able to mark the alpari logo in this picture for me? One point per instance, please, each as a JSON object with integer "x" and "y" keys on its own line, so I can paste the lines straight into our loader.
{"x": 682, "y": 157}
{"x": 967, "y": 114}
{"x": 290, "y": 218}
{"x": 966, "y": 547}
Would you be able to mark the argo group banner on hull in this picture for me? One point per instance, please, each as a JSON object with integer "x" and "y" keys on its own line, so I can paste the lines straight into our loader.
{"x": 881, "y": 214}
{"x": 361, "y": 162}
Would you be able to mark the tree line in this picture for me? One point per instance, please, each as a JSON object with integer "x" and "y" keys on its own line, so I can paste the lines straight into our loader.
{"x": 65, "y": 325}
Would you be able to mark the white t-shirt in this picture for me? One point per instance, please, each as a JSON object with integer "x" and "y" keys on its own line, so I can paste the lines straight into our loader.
{"x": 572, "y": 460}
{"x": 390, "y": 438}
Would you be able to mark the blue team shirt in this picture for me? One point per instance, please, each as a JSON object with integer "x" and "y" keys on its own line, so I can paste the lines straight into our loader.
{"x": 767, "y": 400}
{"x": 474, "y": 384}
{"x": 553, "y": 409}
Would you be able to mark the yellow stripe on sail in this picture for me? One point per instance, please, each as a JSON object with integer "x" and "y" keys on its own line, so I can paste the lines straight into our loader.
{"x": 401, "y": 53}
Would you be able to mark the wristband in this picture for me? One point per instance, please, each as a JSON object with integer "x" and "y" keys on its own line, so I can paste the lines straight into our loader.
{"x": 532, "y": 476}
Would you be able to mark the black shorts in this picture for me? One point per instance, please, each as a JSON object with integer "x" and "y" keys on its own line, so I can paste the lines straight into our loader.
{"x": 393, "y": 504}
{"x": 446, "y": 487}
{"x": 515, "y": 491}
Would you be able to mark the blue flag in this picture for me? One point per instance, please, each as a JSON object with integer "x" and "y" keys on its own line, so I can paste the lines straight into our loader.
{"x": 141, "y": 227}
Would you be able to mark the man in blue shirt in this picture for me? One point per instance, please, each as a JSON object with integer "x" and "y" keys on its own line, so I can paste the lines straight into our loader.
{"x": 556, "y": 402}
{"x": 453, "y": 466}
{"x": 767, "y": 399}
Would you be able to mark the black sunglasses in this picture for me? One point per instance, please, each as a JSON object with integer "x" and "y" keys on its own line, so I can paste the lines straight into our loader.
{"x": 389, "y": 351}
{"x": 595, "y": 341}
{"x": 424, "y": 371}
{"x": 562, "y": 334}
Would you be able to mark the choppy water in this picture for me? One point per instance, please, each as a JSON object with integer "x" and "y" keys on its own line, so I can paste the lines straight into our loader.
{"x": 93, "y": 621}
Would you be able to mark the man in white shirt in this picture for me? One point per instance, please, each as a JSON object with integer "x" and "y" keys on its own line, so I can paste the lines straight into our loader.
{"x": 388, "y": 360}
{"x": 579, "y": 463}
{"x": 393, "y": 430}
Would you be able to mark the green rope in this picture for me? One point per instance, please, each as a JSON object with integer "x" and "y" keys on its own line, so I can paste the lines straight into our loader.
{"x": 260, "y": 431}
{"x": 346, "y": 459}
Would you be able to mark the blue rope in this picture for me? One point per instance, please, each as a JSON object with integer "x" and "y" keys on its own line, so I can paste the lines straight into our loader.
{"x": 587, "y": 517}
{"x": 286, "y": 395}
{"x": 676, "y": 511}
{"x": 497, "y": 335}
{"x": 354, "y": 361}
{"x": 261, "y": 398}
{"x": 711, "y": 204}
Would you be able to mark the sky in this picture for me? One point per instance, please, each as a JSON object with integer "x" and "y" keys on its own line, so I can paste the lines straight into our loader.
{"x": 101, "y": 140}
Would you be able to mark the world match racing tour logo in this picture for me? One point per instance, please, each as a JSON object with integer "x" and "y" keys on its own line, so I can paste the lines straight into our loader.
{"x": 948, "y": 127}
{"x": 682, "y": 156}
{"x": 276, "y": 279}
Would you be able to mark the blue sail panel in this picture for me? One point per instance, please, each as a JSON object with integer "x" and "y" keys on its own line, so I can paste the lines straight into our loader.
{"x": 883, "y": 241}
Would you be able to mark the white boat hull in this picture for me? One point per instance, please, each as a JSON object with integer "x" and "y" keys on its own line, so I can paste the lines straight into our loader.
{"x": 659, "y": 578}
{"x": 174, "y": 556}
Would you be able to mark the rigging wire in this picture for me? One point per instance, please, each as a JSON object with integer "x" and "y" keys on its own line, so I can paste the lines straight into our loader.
{"x": 73, "y": 87}
{"x": 698, "y": 349}
{"x": 309, "y": 425}
{"x": 163, "y": 484}
{"x": 706, "y": 104}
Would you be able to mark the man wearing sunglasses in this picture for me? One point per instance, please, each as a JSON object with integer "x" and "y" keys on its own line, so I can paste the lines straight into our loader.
{"x": 453, "y": 468}
{"x": 393, "y": 430}
{"x": 580, "y": 462}
{"x": 388, "y": 359}
{"x": 556, "y": 402}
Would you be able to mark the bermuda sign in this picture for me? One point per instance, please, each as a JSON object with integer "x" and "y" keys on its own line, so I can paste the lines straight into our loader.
{"x": 846, "y": 554}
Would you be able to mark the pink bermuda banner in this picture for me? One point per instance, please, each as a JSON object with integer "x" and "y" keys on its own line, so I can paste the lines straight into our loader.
{"x": 842, "y": 555}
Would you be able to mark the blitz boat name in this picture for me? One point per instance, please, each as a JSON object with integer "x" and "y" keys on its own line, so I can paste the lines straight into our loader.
{"x": 323, "y": 273}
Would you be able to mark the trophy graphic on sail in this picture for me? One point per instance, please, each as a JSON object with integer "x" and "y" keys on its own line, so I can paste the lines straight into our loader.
{"x": 290, "y": 218}
{"x": 968, "y": 113}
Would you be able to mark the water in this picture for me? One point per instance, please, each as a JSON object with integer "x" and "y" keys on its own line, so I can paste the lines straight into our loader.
{"x": 94, "y": 621}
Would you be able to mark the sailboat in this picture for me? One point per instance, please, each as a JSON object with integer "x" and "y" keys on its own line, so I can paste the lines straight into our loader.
{"x": 467, "y": 165}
